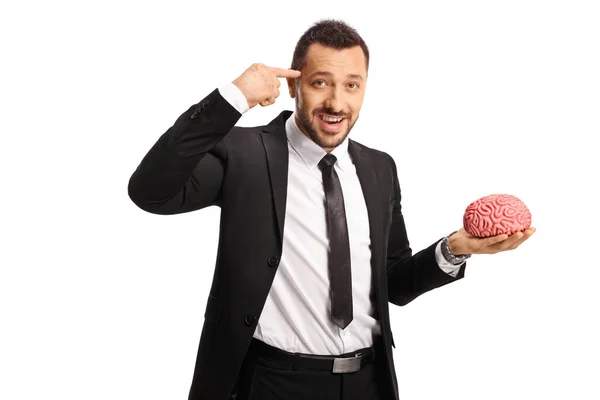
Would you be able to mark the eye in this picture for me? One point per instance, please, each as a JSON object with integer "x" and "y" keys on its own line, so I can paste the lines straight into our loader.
{"x": 317, "y": 82}
{"x": 355, "y": 85}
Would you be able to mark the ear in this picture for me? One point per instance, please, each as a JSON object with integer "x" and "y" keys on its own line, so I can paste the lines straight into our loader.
{"x": 291, "y": 86}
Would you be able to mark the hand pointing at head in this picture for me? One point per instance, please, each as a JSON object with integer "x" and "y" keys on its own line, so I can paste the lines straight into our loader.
{"x": 260, "y": 83}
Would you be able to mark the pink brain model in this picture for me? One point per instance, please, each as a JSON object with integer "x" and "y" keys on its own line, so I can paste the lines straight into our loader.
{"x": 496, "y": 214}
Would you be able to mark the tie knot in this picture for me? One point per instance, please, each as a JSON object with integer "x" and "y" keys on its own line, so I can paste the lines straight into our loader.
{"x": 327, "y": 161}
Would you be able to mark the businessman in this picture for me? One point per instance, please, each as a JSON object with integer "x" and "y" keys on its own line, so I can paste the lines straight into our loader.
{"x": 312, "y": 242}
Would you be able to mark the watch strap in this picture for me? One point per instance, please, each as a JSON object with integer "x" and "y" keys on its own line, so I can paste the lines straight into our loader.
{"x": 448, "y": 255}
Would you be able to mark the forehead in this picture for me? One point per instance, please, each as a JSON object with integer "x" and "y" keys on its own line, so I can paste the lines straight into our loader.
{"x": 338, "y": 62}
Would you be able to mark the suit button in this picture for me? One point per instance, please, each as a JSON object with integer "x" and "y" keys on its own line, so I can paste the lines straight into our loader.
{"x": 273, "y": 261}
{"x": 250, "y": 319}
{"x": 194, "y": 115}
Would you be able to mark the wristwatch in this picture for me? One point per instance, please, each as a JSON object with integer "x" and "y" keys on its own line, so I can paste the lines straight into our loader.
{"x": 448, "y": 255}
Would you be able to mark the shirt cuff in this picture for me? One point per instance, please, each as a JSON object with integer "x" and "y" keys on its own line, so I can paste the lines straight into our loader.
{"x": 235, "y": 97}
{"x": 444, "y": 265}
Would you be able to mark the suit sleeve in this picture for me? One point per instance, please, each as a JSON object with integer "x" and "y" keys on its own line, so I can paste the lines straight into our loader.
{"x": 410, "y": 275}
{"x": 184, "y": 169}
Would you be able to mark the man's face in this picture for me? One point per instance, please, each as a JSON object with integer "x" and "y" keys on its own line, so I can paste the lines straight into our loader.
{"x": 332, "y": 85}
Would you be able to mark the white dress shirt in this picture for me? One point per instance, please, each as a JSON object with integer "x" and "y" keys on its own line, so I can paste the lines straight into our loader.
{"x": 296, "y": 315}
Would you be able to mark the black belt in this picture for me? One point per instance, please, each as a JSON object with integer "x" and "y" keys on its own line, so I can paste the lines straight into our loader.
{"x": 349, "y": 362}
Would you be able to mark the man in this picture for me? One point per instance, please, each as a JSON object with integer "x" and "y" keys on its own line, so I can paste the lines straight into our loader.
{"x": 312, "y": 244}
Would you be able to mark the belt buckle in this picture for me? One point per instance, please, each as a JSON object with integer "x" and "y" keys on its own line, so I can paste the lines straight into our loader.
{"x": 350, "y": 364}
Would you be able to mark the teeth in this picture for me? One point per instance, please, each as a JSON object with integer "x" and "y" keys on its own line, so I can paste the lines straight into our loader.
{"x": 329, "y": 119}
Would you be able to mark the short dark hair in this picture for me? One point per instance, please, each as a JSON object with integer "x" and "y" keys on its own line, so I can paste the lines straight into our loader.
{"x": 330, "y": 33}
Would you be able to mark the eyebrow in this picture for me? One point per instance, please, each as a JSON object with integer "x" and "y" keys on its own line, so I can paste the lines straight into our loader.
{"x": 326, "y": 73}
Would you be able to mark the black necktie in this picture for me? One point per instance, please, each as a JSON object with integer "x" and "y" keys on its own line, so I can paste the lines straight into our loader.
{"x": 340, "y": 275}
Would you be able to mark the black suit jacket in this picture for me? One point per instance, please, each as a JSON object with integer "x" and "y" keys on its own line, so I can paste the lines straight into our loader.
{"x": 205, "y": 160}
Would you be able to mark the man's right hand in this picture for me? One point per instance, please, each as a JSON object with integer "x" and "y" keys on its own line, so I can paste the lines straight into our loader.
{"x": 260, "y": 83}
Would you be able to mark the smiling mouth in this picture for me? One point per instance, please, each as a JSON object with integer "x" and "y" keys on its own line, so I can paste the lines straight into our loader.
{"x": 330, "y": 120}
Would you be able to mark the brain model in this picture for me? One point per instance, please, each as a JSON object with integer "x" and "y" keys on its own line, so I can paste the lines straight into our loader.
{"x": 496, "y": 214}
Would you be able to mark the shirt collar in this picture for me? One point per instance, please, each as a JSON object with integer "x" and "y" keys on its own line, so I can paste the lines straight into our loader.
{"x": 310, "y": 152}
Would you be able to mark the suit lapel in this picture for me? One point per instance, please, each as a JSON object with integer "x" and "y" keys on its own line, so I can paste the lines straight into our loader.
{"x": 276, "y": 149}
{"x": 370, "y": 188}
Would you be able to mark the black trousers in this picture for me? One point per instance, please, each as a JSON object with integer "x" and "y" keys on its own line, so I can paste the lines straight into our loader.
{"x": 264, "y": 379}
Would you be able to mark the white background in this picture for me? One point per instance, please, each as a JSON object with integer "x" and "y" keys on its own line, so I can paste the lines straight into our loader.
{"x": 100, "y": 300}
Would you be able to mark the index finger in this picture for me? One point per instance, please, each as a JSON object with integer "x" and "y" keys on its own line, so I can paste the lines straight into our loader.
{"x": 285, "y": 73}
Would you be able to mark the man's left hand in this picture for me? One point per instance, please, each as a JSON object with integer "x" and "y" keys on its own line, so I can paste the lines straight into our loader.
{"x": 463, "y": 243}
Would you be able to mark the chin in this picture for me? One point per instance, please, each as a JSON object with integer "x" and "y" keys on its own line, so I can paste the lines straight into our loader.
{"x": 328, "y": 140}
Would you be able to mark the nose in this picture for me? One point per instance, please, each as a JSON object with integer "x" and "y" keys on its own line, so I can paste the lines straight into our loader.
{"x": 334, "y": 100}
